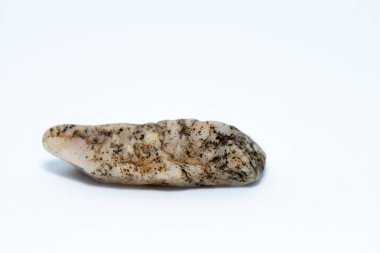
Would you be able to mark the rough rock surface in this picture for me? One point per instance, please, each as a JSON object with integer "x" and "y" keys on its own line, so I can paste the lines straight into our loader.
{"x": 173, "y": 152}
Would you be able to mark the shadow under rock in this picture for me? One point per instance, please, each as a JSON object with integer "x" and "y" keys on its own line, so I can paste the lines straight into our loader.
{"x": 68, "y": 171}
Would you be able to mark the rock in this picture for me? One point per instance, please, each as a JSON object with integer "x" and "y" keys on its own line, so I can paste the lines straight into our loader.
{"x": 173, "y": 152}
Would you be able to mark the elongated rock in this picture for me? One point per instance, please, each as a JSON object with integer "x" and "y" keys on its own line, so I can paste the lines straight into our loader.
{"x": 173, "y": 152}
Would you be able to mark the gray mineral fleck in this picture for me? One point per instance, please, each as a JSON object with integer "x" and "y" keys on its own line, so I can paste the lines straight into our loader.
{"x": 172, "y": 152}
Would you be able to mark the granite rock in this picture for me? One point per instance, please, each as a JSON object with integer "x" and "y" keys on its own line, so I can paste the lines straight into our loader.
{"x": 173, "y": 152}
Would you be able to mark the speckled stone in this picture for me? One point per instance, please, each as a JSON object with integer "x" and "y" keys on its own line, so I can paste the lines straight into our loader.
{"x": 173, "y": 152}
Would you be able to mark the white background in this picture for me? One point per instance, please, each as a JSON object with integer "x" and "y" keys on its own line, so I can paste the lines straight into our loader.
{"x": 302, "y": 78}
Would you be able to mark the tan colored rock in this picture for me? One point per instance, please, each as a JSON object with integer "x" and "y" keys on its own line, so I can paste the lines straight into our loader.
{"x": 173, "y": 152}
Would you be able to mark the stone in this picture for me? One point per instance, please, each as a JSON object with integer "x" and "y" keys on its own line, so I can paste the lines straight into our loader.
{"x": 172, "y": 152}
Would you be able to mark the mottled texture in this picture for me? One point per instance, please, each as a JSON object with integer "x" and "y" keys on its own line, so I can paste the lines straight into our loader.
{"x": 173, "y": 152}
